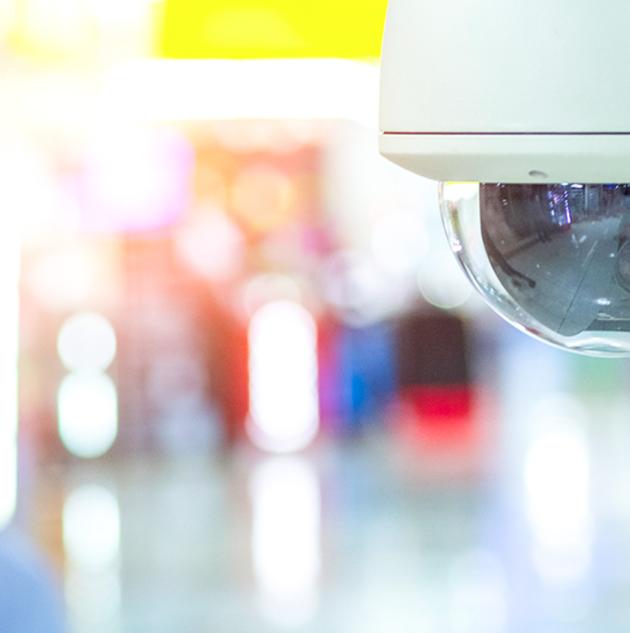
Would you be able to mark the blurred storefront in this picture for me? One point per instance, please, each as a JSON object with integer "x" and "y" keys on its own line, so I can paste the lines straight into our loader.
{"x": 254, "y": 390}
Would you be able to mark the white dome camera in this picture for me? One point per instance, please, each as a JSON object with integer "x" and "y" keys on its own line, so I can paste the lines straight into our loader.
{"x": 522, "y": 111}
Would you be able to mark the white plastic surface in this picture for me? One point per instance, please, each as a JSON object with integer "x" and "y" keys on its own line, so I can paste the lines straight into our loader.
{"x": 512, "y": 158}
{"x": 495, "y": 91}
{"x": 495, "y": 66}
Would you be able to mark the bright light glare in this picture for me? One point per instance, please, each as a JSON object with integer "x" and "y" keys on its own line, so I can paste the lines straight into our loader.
{"x": 88, "y": 414}
{"x": 7, "y": 15}
{"x": 286, "y": 538}
{"x": 136, "y": 179}
{"x": 52, "y": 24}
{"x": 167, "y": 90}
{"x": 72, "y": 276}
{"x": 557, "y": 488}
{"x": 284, "y": 407}
{"x": 35, "y": 209}
{"x": 9, "y": 337}
{"x": 91, "y": 537}
{"x": 456, "y": 191}
{"x": 87, "y": 342}
{"x": 441, "y": 282}
{"x": 113, "y": 12}
{"x": 21, "y": 166}
{"x": 91, "y": 528}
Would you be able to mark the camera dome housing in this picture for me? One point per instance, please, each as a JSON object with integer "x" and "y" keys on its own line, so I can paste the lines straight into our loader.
{"x": 554, "y": 260}
{"x": 522, "y": 110}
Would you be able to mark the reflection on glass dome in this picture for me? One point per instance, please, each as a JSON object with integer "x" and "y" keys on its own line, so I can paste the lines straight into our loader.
{"x": 554, "y": 259}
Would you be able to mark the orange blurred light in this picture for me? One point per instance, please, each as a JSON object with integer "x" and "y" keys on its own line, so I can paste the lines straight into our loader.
{"x": 74, "y": 275}
{"x": 263, "y": 197}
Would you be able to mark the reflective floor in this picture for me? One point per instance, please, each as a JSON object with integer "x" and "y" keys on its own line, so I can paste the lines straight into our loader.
{"x": 530, "y": 532}
{"x": 345, "y": 539}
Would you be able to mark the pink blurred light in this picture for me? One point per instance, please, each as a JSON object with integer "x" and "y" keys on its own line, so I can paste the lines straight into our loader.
{"x": 136, "y": 181}
{"x": 212, "y": 245}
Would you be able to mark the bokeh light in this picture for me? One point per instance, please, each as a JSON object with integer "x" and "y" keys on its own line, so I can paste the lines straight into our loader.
{"x": 72, "y": 275}
{"x": 136, "y": 180}
{"x": 92, "y": 544}
{"x": 263, "y": 197}
{"x": 442, "y": 283}
{"x": 91, "y": 528}
{"x": 274, "y": 284}
{"x": 284, "y": 406}
{"x": 36, "y": 209}
{"x": 212, "y": 245}
{"x": 87, "y": 342}
{"x": 286, "y": 538}
{"x": 557, "y": 493}
{"x": 87, "y": 406}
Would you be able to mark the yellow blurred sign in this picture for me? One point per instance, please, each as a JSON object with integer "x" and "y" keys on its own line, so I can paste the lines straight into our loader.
{"x": 272, "y": 28}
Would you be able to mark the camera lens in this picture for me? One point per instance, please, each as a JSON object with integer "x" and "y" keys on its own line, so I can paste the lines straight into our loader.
{"x": 552, "y": 259}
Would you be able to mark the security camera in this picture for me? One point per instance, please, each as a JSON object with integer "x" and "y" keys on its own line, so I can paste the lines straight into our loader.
{"x": 522, "y": 111}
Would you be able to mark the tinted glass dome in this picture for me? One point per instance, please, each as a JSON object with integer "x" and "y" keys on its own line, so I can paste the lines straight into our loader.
{"x": 554, "y": 260}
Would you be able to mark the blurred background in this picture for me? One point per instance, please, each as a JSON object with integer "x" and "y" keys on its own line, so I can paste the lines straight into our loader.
{"x": 243, "y": 385}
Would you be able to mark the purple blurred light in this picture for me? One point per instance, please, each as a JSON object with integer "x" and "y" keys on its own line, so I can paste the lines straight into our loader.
{"x": 137, "y": 181}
